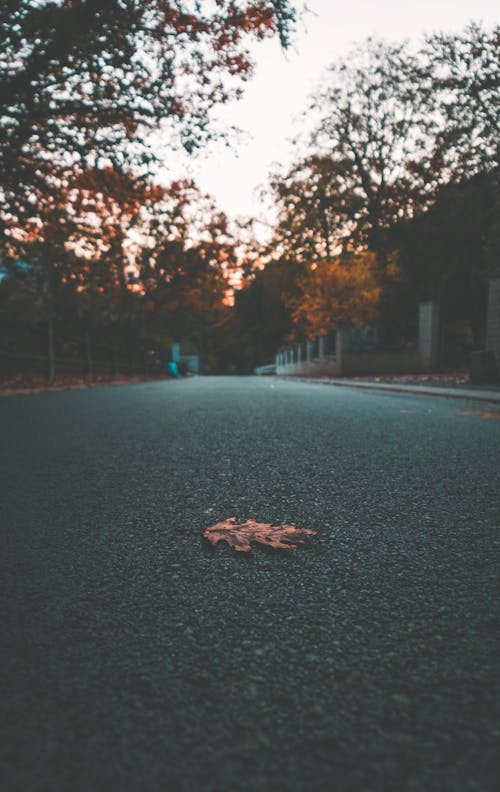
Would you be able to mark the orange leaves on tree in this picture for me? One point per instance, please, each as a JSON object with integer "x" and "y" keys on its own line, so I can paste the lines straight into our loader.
{"x": 338, "y": 293}
{"x": 243, "y": 536}
{"x": 255, "y": 19}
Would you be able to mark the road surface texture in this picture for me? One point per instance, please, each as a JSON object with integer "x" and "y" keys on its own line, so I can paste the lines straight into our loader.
{"x": 137, "y": 658}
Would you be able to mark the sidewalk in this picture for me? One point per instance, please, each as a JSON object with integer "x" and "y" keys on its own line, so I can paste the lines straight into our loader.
{"x": 447, "y": 386}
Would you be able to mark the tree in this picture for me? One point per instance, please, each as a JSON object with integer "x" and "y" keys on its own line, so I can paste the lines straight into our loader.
{"x": 459, "y": 84}
{"x": 260, "y": 320}
{"x": 344, "y": 292}
{"x": 318, "y": 209}
{"x": 84, "y": 250}
{"x": 82, "y": 82}
{"x": 184, "y": 279}
{"x": 447, "y": 253}
{"x": 402, "y": 124}
{"x": 405, "y": 148}
{"x": 370, "y": 128}
{"x": 76, "y": 250}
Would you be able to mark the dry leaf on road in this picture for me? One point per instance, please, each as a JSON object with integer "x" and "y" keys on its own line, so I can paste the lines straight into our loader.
{"x": 242, "y": 536}
{"x": 491, "y": 415}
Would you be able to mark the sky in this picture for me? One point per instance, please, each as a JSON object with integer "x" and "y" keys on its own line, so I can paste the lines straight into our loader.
{"x": 277, "y": 95}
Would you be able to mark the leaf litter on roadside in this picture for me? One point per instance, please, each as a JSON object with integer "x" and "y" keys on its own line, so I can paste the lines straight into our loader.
{"x": 491, "y": 415}
{"x": 243, "y": 536}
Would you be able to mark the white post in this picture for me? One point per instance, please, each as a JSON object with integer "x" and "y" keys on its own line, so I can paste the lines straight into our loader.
{"x": 339, "y": 351}
{"x": 428, "y": 335}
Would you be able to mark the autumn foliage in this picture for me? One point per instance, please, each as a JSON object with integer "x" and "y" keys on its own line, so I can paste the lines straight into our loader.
{"x": 342, "y": 292}
{"x": 99, "y": 260}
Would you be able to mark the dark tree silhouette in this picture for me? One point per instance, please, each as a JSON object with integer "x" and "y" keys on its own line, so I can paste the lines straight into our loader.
{"x": 84, "y": 81}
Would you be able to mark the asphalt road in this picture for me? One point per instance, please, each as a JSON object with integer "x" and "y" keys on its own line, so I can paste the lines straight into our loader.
{"x": 136, "y": 658}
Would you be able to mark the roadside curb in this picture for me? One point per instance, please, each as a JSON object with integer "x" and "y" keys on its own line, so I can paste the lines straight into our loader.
{"x": 415, "y": 390}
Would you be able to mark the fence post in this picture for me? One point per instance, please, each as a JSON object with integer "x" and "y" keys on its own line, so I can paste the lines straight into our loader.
{"x": 428, "y": 335}
{"x": 339, "y": 352}
{"x": 321, "y": 346}
{"x": 493, "y": 320}
{"x": 88, "y": 352}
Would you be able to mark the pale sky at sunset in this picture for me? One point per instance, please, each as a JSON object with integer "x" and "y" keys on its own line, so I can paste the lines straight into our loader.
{"x": 282, "y": 83}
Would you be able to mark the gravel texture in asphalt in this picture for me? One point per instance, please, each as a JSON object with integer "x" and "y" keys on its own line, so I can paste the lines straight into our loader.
{"x": 138, "y": 658}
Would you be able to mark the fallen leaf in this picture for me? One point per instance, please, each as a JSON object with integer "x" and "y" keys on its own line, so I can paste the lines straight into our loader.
{"x": 488, "y": 414}
{"x": 242, "y": 536}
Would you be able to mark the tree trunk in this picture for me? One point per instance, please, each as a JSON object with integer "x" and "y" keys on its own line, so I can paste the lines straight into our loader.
{"x": 326, "y": 232}
{"x": 50, "y": 349}
{"x": 88, "y": 350}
